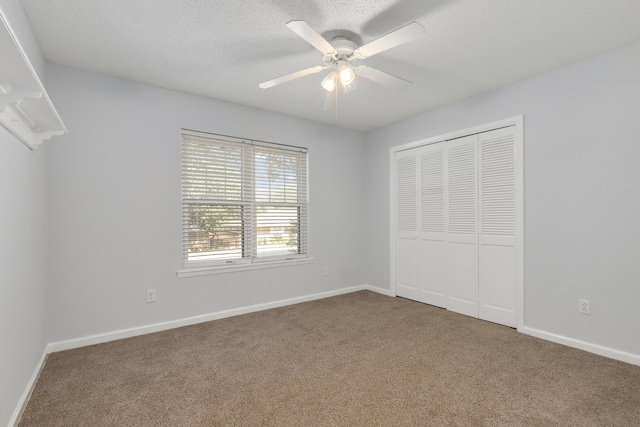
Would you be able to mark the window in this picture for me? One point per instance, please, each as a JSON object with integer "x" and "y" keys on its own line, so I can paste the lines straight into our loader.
{"x": 242, "y": 201}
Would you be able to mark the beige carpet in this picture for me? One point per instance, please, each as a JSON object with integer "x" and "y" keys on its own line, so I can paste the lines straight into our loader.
{"x": 360, "y": 359}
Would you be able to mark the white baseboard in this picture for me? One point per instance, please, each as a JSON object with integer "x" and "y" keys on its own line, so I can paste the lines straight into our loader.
{"x": 386, "y": 292}
{"x": 157, "y": 327}
{"x": 623, "y": 356}
{"x": 24, "y": 399}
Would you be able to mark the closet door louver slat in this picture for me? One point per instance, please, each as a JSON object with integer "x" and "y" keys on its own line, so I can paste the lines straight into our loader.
{"x": 498, "y": 186}
{"x": 432, "y": 191}
{"x": 407, "y": 201}
{"x": 462, "y": 189}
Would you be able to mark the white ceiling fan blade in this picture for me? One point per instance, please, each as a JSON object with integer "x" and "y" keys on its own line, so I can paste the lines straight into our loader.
{"x": 402, "y": 35}
{"x": 312, "y": 37}
{"x": 383, "y": 78}
{"x": 292, "y": 76}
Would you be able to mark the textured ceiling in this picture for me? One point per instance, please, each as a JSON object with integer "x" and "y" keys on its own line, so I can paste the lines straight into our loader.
{"x": 222, "y": 49}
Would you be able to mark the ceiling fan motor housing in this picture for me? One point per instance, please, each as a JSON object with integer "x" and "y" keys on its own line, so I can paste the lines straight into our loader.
{"x": 344, "y": 51}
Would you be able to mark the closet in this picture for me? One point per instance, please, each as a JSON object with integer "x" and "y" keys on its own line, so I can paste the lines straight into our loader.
{"x": 457, "y": 215}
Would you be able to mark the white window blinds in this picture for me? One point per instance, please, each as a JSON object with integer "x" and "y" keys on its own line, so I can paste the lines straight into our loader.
{"x": 242, "y": 200}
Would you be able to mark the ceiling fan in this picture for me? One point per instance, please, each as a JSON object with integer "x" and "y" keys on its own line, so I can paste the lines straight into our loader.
{"x": 342, "y": 52}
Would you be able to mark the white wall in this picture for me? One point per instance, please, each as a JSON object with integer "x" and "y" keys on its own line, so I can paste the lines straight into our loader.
{"x": 115, "y": 214}
{"x": 23, "y": 242}
{"x": 23, "y": 236}
{"x": 581, "y": 195}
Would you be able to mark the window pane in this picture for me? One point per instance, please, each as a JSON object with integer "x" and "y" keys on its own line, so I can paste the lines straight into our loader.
{"x": 278, "y": 229}
{"x": 277, "y": 176}
{"x": 214, "y": 232}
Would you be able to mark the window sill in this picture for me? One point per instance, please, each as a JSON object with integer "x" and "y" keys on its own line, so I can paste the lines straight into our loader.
{"x": 221, "y": 269}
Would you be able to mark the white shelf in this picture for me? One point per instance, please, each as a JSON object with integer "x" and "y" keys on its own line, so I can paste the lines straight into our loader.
{"x": 25, "y": 108}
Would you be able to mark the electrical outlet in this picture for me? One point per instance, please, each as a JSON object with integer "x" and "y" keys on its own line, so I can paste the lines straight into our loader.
{"x": 584, "y": 306}
{"x": 325, "y": 272}
{"x": 151, "y": 295}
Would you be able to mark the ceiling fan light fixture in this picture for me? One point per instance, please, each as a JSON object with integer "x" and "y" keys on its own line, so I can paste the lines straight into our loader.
{"x": 329, "y": 82}
{"x": 346, "y": 73}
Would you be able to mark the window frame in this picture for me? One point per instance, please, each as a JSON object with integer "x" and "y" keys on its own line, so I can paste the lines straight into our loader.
{"x": 249, "y": 227}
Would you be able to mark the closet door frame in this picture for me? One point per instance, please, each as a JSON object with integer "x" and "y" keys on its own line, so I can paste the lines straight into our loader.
{"x": 517, "y": 123}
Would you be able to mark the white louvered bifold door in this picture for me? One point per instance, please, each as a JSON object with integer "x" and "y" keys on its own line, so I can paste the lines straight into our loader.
{"x": 498, "y": 256}
{"x": 458, "y": 224}
{"x": 433, "y": 245}
{"x": 407, "y": 224}
{"x": 462, "y": 230}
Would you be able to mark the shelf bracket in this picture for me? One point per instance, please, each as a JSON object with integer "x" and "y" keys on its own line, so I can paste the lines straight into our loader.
{"x": 25, "y": 108}
{"x": 14, "y": 95}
